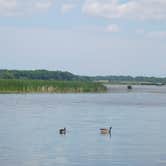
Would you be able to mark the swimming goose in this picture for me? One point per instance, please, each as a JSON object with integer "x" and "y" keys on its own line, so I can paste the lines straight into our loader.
{"x": 62, "y": 131}
{"x": 105, "y": 130}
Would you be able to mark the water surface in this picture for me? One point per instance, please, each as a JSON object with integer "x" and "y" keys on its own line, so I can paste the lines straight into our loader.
{"x": 29, "y": 126}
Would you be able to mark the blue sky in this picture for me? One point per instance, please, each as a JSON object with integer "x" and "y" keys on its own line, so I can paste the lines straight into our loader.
{"x": 87, "y": 37}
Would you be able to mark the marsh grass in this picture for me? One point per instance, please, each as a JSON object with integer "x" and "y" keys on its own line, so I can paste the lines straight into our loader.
{"x": 50, "y": 86}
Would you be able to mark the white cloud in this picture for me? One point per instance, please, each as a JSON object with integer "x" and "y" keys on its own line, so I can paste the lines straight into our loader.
{"x": 7, "y": 6}
{"x": 133, "y": 9}
{"x": 157, "y": 34}
{"x": 23, "y": 7}
{"x": 113, "y": 28}
{"x": 67, "y": 7}
{"x": 44, "y": 5}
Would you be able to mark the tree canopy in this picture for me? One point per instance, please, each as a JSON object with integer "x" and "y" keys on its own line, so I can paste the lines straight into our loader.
{"x": 67, "y": 76}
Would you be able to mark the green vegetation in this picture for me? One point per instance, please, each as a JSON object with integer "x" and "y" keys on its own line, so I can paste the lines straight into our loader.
{"x": 43, "y": 81}
{"x": 49, "y": 86}
{"x": 67, "y": 76}
{"x": 41, "y": 75}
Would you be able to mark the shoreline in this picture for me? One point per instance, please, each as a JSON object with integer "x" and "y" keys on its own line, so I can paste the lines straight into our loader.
{"x": 115, "y": 88}
{"x": 118, "y": 88}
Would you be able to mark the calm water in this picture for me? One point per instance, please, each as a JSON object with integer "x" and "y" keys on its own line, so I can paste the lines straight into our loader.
{"x": 29, "y": 129}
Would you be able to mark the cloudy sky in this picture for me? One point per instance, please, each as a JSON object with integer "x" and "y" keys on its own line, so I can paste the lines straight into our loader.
{"x": 87, "y": 37}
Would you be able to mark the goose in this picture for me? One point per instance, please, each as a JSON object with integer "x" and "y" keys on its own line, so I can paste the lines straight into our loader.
{"x": 62, "y": 131}
{"x": 105, "y": 130}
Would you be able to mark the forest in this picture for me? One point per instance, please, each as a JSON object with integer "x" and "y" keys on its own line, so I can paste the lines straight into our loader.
{"x": 68, "y": 76}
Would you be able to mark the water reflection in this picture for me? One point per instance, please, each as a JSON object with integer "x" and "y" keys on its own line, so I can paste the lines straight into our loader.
{"x": 29, "y": 129}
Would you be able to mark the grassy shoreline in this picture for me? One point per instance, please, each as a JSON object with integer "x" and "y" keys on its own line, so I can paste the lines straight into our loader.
{"x": 49, "y": 86}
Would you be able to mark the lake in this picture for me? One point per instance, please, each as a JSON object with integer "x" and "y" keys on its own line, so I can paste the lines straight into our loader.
{"x": 29, "y": 125}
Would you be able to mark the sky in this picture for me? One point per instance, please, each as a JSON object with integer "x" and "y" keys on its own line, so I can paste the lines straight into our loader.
{"x": 85, "y": 37}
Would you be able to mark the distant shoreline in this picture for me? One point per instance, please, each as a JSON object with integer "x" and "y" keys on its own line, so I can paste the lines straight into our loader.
{"x": 119, "y": 88}
{"x": 68, "y": 76}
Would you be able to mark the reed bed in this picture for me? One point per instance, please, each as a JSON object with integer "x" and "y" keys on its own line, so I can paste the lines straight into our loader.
{"x": 50, "y": 86}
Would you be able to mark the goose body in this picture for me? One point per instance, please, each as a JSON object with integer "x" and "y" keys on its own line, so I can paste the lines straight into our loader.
{"x": 62, "y": 131}
{"x": 105, "y": 130}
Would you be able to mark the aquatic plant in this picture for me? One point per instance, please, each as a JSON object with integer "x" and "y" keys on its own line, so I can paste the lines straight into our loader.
{"x": 48, "y": 86}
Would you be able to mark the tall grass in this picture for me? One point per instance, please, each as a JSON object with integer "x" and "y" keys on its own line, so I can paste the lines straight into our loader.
{"x": 41, "y": 86}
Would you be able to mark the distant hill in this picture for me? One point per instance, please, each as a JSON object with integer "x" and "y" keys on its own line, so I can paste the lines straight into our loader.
{"x": 37, "y": 75}
{"x": 67, "y": 76}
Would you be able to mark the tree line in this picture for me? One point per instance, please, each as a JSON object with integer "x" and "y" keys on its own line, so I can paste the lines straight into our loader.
{"x": 67, "y": 76}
